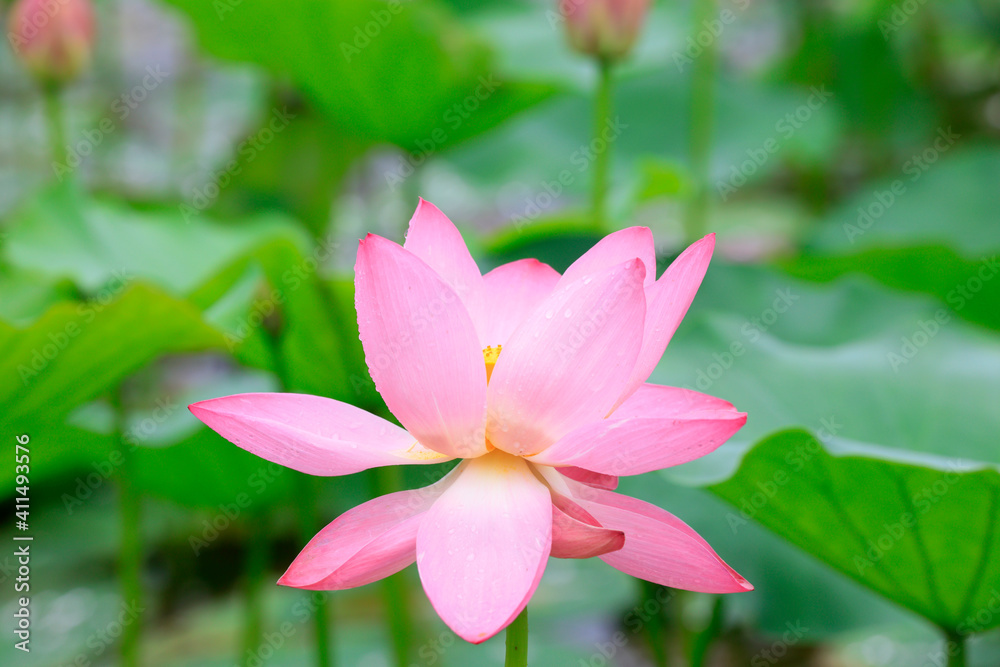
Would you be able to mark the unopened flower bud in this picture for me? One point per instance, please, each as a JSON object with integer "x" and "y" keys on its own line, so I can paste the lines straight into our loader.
{"x": 53, "y": 38}
{"x": 606, "y": 29}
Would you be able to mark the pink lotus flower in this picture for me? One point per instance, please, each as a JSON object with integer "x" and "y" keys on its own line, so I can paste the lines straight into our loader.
{"x": 54, "y": 38}
{"x": 603, "y": 28}
{"x": 536, "y": 381}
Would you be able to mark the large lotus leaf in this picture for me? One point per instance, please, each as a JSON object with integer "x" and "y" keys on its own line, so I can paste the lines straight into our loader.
{"x": 854, "y": 359}
{"x": 27, "y": 295}
{"x": 921, "y": 534}
{"x": 345, "y": 55}
{"x": 96, "y": 243}
{"x": 855, "y": 363}
{"x": 904, "y": 232}
{"x": 77, "y": 351}
{"x": 942, "y": 195}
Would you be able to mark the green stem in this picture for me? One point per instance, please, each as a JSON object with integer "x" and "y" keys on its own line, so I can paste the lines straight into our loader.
{"x": 702, "y": 641}
{"x": 702, "y": 122}
{"x": 955, "y": 647}
{"x": 54, "y": 118}
{"x": 517, "y": 641}
{"x": 602, "y": 159}
{"x": 131, "y": 560}
{"x": 397, "y": 604}
{"x": 657, "y": 626}
{"x": 256, "y": 568}
{"x": 395, "y": 591}
{"x": 309, "y": 519}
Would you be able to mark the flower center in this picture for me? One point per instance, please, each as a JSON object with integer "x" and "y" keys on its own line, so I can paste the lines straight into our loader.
{"x": 490, "y": 356}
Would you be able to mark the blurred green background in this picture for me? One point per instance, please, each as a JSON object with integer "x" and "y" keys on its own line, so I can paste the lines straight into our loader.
{"x": 193, "y": 234}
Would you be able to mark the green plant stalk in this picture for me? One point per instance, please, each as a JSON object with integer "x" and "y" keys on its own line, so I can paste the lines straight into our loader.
{"x": 657, "y": 625}
{"x": 256, "y": 568}
{"x": 308, "y": 518}
{"x": 517, "y": 641}
{"x": 54, "y": 118}
{"x": 130, "y": 566}
{"x": 703, "y": 77}
{"x": 602, "y": 159}
{"x": 395, "y": 594}
{"x": 953, "y": 639}
{"x": 702, "y": 641}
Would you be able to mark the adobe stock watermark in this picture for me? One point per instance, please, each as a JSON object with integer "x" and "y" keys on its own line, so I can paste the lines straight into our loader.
{"x": 364, "y": 34}
{"x": 229, "y": 513}
{"x": 291, "y": 279}
{"x": 922, "y": 501}
{"x": 580, "y": 159}
{"x": 795, "y": 461}
{"x": 597, "y": 317}
{"x": 302, "y": 611}
{"x": 915, "y": 167}
{"x": 121, "y": 108}
{"x": 86, "y": 485}
{"x": 751, "y": 331}
{"x": 37, "y": 20}
{"x": 958, "y": 297}
{"x": 784, "y": 129}
{"x": 62, "y": 338}
{"x": 778, "y": 649}
{"x": 102, "y": 640}
{"x": 452, "y": 119}
{"x": 900, "y": 14}
{"x": 975, "y": 622}
{"x": 404, "y": 339}
{"x": 709, "y": 31}
{"x": 634, "y": 621}
{"x": 246, "y": 152}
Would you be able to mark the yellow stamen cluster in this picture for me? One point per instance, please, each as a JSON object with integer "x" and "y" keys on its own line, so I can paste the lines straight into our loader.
{"x": 490, "y": 356}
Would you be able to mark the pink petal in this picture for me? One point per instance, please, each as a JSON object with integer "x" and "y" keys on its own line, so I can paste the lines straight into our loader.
{"x": 659, "y": 547}
{"x": 569, "y": 361}
{"x": 590, "y": 478}
{"x": 668, "y": 300}
{"x": 647, "y": 434}
{"x": 482, "y": 547}
{"x": 614, "y": 249}
{"x": 421, "y": 348}
{"x": 434, "y": 238}
{"x": 366, "y": 543}
{"x": 311, "y": 434}
{"x": 513, "y": 291}
{"x": 657, "y": 399}
{"x": 577, "y": 534}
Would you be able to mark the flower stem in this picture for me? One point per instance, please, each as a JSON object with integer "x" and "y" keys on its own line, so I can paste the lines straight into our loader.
{"x": 602, "y": 158}
{"x": 955, "y": 647}
{"x": 657, "y": 625}
{"x": 131, "y": 559}
{"x": 308, "y": 519}
{"x": 253, "y": 605}
{"x": 701, "y": 642}
{"x": 54, "y": 118}
{"x": 702, "y": 121}
{"x": 517, "y": 641}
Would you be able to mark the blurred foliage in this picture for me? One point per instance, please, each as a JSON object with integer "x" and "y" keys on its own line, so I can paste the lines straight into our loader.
{"x": 204, "y": 245}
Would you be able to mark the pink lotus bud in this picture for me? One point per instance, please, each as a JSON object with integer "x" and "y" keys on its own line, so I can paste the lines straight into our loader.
{"x": 53, "y": 38}
{"x": 606, "y": 29}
